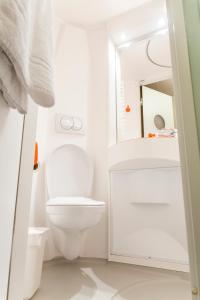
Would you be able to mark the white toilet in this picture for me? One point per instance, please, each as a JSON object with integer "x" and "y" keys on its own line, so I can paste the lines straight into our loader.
{"x": 69, "y": 175}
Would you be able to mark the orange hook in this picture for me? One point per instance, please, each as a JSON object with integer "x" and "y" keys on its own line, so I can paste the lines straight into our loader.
{"x": 127, "y": 109}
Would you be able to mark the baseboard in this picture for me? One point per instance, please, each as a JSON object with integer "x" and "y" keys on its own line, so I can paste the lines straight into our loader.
{"x": 153, "y": 263}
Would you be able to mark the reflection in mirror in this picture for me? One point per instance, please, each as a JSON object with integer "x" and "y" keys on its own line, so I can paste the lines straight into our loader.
{"x": 159, "y": 122}
{"x": 145, "y": 88}
{"x": 157, "y": 109}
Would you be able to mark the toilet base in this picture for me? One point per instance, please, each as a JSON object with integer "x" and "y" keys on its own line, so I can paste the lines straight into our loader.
{"x": 68, "y": 242}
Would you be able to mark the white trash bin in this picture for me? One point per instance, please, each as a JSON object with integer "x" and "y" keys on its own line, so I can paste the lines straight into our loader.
{"x": 35, "y": 252}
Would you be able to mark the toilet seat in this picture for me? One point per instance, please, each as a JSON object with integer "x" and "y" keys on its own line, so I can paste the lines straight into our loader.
{"x": 74, "y": 201}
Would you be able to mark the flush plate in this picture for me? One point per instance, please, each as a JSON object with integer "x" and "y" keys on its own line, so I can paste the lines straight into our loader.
{"x": 69, "y": 124}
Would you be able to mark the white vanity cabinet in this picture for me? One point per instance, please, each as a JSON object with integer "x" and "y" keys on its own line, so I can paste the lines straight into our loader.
{"x": 147, "y": 222}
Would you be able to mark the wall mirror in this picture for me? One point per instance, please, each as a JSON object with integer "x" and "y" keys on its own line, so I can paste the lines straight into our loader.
{"x": 144, "y": 88}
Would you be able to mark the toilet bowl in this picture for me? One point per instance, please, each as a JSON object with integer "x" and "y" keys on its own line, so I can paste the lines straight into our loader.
{"x": 70, "y": 210}
{"x": 69, "y": 217}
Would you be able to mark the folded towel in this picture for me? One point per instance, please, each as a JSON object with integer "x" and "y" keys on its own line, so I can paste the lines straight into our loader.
{"x": 11, "y": 89}
{"x": 26, "y": 52}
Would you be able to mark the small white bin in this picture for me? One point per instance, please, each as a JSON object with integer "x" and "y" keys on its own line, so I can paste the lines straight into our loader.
{"x": 35, "y": 252}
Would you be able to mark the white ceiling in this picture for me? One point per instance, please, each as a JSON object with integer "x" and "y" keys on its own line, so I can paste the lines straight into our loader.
{"x": 143, "y": 20}
{"x": 93, "y": 12}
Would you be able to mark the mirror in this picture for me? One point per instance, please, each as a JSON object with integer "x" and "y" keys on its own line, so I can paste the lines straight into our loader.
{"x": 145, "y": 88}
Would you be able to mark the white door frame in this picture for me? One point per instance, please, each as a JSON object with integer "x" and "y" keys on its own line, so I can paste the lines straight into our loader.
{"x": 20, "y": 232}
{"x": 188, "y": 138}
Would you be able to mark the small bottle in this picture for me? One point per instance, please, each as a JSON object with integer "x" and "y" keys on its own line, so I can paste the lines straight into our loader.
{"x": 35, "y": 166}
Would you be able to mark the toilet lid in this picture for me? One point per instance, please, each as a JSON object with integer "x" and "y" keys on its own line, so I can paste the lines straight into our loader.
{"x": 69, "y": 172}
{"x": 74, "y": 201}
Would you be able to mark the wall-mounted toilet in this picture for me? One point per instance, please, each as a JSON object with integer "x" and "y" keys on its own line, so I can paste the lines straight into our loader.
{"x": 70, "y": 209}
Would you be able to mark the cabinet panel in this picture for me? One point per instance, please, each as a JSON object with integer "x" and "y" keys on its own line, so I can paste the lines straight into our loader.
{"x": 147, "y": 214}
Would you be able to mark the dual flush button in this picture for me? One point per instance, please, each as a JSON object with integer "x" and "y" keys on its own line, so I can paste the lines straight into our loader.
{"x": 69, "y": 124}
{"x": 72, "y": 123}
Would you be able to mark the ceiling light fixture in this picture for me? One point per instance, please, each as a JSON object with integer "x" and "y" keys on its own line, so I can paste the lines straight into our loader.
{"x": 162, "y": 22}
{"x": 123, "y": 37}
{"x": 162, "y": 31}
{"x": 125, "y": 45}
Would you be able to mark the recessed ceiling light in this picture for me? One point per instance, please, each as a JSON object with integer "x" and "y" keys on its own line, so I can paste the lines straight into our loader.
{"x": 162, "y": 31}
{"x": 125, "y": 45}
{"x": 123, "y": 37}
{"x": 165, "y": 9}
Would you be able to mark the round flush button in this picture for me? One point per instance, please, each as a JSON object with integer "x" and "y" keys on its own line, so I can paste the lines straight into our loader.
{"x": 78, "y": 124}
{"x": 66, "y": 123}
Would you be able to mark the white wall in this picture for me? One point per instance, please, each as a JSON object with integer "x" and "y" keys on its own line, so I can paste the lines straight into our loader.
{"x": 112, "y": 101}
{"x": 95, "y": 242}
{"x": 72, "y": 92}
{"x": 80, "y": 76}
{"x": 11, "y": 125}
{"x": 71, "y": 85}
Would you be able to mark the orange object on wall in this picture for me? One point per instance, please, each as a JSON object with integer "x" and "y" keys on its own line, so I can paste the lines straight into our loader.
{"x": 127, "y": 109}
{"x": 35, "y": 167}
{"x": 151, "y": 135}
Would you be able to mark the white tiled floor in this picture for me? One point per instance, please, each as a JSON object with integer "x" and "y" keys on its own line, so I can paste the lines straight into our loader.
{"x": 102, "y": 280}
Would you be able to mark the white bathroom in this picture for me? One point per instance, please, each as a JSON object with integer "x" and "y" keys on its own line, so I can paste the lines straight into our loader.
{"x": 107, "y": 217}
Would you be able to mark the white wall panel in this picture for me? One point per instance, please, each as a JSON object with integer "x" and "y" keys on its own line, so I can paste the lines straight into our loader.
{"x": 11, "y": 125}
